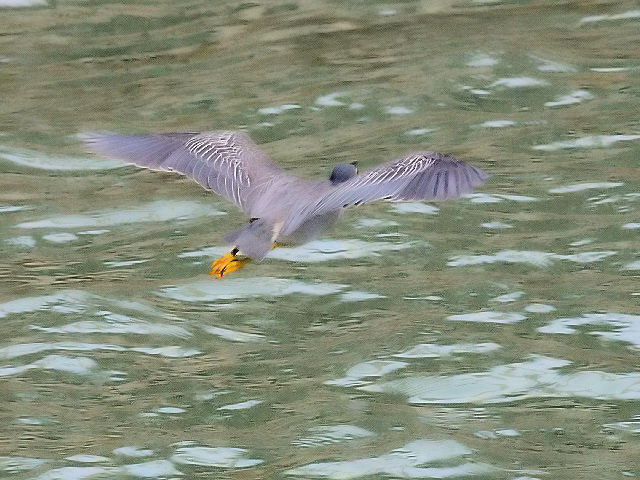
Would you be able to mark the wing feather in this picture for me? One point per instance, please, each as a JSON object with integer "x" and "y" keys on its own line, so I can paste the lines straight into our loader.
{"x": 419, "y": 176}
{"x": 225, "y": 162}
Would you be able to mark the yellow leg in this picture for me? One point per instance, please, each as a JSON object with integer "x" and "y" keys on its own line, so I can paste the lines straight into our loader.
{"x": 227, "y": 263}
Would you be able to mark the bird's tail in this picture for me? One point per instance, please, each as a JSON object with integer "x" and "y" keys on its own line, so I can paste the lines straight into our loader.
{"x": 255, "y": 239}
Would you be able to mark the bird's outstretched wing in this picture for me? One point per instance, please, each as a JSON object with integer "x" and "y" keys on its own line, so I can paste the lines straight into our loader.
{"x": 419, "y": 176}
{"x": 225, "y": 162}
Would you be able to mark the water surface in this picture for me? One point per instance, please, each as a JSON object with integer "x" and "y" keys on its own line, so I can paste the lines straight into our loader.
{"x": 493, "y": 337}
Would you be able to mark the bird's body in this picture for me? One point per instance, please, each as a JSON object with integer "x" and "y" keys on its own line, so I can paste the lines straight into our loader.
{"x": 283, "y": 208}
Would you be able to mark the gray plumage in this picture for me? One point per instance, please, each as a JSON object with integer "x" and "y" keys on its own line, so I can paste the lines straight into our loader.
{"x": 281, "y": 206}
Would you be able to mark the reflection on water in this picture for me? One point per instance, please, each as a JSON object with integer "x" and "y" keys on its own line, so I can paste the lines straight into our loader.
{"x": 495, "y": 336}
{"x": 404, "y": 462}
{"x": 505, "y": 383}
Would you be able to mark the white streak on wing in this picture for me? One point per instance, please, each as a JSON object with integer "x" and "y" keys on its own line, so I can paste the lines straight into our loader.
{"x": 236, "y": 183}
{"x": 196, "y": 147}
{"x": 205, "y": 152}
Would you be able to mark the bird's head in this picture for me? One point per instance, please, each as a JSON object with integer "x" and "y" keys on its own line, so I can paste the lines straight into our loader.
{"x": 343, "y": 172}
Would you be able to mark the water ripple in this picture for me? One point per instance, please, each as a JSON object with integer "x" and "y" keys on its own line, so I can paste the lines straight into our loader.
{"x": 577, "y": 96}
{"x": 592, "y": 141}
{"x": 151, "y": 469}
{"x": 60, "y": 363}
{"x": 530, "y": 257}
{"x": 628, "y": 15}
{"x": 519, "y": 82}
{"x": 498, "y": 197}
{"x": 537, "y": 378}
{"x": 330, "y": 434}
{"x": 624, "y": 327}
{"x": 433, "y": 350}
{"x": 208, "y": 291}
{"x": 323, "y": 250}
{"x": 580, "y": 187}
{"x": 404, "y": 462}
{"x": 488, "y": 317}
{"x": 117, "y": 324}
{"x": 221, "y": 457}
{"x": 41, "y": 161}
{"x": 159, "y": 211}
{"x": 373, "y": 368}
{"x": 241, "y": 405}
{"x": 234, "y": 335}
{"x": 19, "y": 464}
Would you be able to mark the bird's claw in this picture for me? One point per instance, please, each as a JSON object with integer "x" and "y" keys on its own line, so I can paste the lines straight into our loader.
{"x": 226, "y": 264}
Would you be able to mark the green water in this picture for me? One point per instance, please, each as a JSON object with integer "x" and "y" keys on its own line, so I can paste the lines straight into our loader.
{"x": 497, "y": 336}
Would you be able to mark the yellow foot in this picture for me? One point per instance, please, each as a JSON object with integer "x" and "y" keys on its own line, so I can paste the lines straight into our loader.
{"x": 227, "y": 263}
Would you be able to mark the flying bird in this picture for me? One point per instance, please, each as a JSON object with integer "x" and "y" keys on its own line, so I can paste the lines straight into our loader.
{"x": 282, "y": 208}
